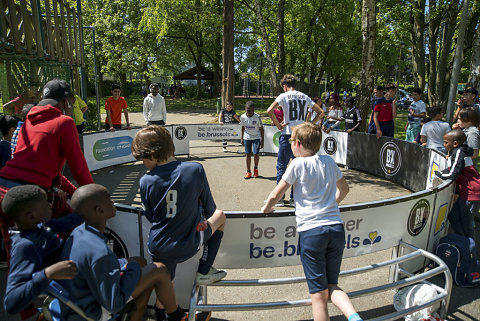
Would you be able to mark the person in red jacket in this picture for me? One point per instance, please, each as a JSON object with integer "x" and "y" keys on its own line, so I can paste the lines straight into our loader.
{"x": 47, "y": 140}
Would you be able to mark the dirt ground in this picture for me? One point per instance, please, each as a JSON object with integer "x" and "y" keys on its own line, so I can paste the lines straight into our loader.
{"x": 225, "y": 173}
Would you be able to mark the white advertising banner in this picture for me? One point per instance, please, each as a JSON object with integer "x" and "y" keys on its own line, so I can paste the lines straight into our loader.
{"x": 254, "y": 241}
{"x": 334, "y": 144}
{"x": 437, "y": 162}
{"x": 105, "y": 149}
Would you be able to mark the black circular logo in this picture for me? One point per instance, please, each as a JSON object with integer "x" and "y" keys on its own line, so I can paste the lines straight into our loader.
{"x": 180, "y": 132}
{"x": 418, "y": 217}
{"x": 330, "y": 145}
{"x": 390, "y": 158}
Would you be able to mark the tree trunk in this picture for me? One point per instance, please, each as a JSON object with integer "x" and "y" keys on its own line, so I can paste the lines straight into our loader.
{"x": 457, "y": 64}
{"x": 418, "y": 46}
{"x": 228, "y": 74}
{"x": 433, "y": 28}
{"x": 368, "y": 59}
{"x": 268, "y": 50}
{"x": 474, "y": 78}
{"x": 281, "y": 38}
{"x": 123, "y": 84}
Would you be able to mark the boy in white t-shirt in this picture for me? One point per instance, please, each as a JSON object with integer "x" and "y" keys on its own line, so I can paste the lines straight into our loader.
{"x": 252, "y": 137}
{"x": 318, "y": 187}
{"x": 431, "y": 134}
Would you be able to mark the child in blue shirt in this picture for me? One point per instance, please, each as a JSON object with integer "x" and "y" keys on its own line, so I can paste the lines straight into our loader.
{"x": 35, "y": 249}
{"x": 103, "y": 279}
{"x": 8, "y": 124}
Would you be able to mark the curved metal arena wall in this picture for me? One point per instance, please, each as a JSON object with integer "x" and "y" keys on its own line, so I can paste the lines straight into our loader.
{"x": 254, "y": 239}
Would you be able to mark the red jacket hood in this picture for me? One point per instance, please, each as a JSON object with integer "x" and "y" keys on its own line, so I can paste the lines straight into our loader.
{"x": 40, "y": 113}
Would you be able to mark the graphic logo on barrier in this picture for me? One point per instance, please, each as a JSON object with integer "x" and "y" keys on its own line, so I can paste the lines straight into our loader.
{"x": 180, "y": 132}
{"x": 418, "y": 217}
{"x": 390, "y": 158}
{"x": 433, "y": 170}
{"x": 330, "y": 145}
{"x": 373, "y": 237}
{"x": 276, "y": 137}
{"x": 115, "y": 147}
{"x": 441, "y": 221}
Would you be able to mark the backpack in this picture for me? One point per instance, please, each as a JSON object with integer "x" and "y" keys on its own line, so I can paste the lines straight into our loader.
{"x": 460, "y": 255}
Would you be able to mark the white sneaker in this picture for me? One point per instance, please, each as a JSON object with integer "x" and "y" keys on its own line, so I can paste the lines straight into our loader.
{"x": 280, "y": 203}
{"x": 212, "y": 276}
{"x": 225, "y": 149}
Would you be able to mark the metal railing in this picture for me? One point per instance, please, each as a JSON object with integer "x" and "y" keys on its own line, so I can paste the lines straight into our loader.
{"x": 198, "y": 300}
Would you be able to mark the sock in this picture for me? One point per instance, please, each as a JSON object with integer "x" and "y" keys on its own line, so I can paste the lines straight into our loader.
{"x": 160, "y": 314}
{"x": 176, "y": 315}
{"x": 354, "y": 317}
{"x": 210, "y": 250}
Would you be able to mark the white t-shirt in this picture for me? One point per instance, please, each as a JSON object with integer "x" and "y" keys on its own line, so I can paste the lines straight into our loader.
{"x": 295, "y": 106}
{"x": 434, "y": 131}
{"x": 473, "y": 137}
{"x": 418, "y": 108}
{"x": 252, "y": 126}
{"x": 314, "y": 181}
{"x": 154, "y": 108}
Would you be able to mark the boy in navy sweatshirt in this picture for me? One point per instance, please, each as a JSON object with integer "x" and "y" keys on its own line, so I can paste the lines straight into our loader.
{"x": 467, "y": 178}
{"x": 103, "y": 279}
{"x": 35, "y": 248}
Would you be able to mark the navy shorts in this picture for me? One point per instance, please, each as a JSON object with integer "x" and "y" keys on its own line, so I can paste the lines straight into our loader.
{"x": 172, "y": 264}
{"x": 321, "y": 251}
{"x": 252, "y": 146}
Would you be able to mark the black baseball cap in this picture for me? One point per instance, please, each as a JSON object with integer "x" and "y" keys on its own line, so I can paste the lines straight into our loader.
{"x": 469, "y": 90}
{"x": 54, "y": 91}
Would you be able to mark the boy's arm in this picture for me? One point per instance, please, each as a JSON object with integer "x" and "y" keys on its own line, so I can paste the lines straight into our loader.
{"x": 164, "y": 111}
{"x": 274, "y": 119}
{"x": 275, "y": 196}
{"x": 377, "y": 124}
{"x": 109, "y": 120}
{"x": 320, "y": 113}
{"x": 241, "y": 137}
{"x": 220, "y": 117}
{"x": 146, "y": 108}
{"x": 342, "y": 190}
{"x": 25, "y": 280}
{"x": 394, "y": 108}
{"x": 458, "y": 164}
{"x": 423, "y": 139}
{"x": 236, "y": 117}
{"x": 126, "y": 118}
{"x": 111, "y": 284}
{"x": 262, "y": 132}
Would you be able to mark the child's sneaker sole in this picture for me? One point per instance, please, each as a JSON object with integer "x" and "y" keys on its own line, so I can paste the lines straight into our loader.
{"x": 213, "y": 276}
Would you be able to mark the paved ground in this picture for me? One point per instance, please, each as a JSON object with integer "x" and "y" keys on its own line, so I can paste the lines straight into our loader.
{"x": 231, "y": 192}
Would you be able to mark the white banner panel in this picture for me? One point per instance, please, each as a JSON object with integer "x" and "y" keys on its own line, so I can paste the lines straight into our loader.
{"x": 334, "y": 144}
{"x": 437, "y": 162}
{"x": 272, "y": 134}
{"x": 254, "y": 242}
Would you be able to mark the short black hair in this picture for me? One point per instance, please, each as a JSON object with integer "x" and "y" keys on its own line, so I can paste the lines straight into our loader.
{"x": 20, "y": 198}
{"x": 379, "y": 87}
{"x": 7, "y": 122}
{"x": 417, "y": 90}
{"x": 470, "y": 114}
{"x": 116, "y": 86}
{"x": 288, "y": 80}
{"x": 350, "y": 100}
{"x": 456, "y": 135}
{"x": 434, "y": 111}
{"x": 249, "y": 104}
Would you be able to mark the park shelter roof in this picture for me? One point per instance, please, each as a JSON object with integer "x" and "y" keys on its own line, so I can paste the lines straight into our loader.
{"x": 191, "y": 74}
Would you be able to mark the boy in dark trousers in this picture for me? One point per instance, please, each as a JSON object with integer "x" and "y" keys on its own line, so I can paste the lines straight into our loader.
{"x": 467, "y": 178}
{"x": 103, "y": 279}
{"x": 35, "y": 249}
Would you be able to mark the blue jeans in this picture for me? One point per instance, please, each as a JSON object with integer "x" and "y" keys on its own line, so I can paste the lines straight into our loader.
{"x": 284, "y": 155}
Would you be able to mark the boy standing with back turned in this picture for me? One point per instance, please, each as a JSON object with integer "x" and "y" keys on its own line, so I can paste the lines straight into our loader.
{"x": 319, "y": 225}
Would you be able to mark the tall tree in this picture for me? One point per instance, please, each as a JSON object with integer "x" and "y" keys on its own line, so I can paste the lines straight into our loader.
{"x": 228, "y": 78}
{"x": 418, "y": 45}
{"x": 368, "y": 57}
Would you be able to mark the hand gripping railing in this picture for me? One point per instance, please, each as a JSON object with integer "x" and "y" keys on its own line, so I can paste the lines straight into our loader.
{"x": 198, "y": 300}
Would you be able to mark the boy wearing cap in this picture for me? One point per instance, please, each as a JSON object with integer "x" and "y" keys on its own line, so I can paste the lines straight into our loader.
{"x": 154, "y": 110}
{"x": 469, "y": 96}
{"x": 114, "y": 106}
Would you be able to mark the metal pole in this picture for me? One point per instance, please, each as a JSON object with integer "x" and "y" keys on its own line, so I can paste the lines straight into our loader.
{"x": 83, "y": 75}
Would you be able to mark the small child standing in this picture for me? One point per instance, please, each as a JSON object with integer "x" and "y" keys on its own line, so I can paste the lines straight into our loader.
{"x": 8, "y": 124}
{"x": 319, "y": 225}
{"x": 114, "y": 107}
{"x": 227, "y": 116}
{"x": 467, "y": 178}
{"x": 35, "y": 249}
{"x": 252, "y": 137}
{"x": 177, "y": 199}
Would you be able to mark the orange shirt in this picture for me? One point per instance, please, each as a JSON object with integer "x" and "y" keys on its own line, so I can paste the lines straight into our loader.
{"x": 116, "y": 107}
